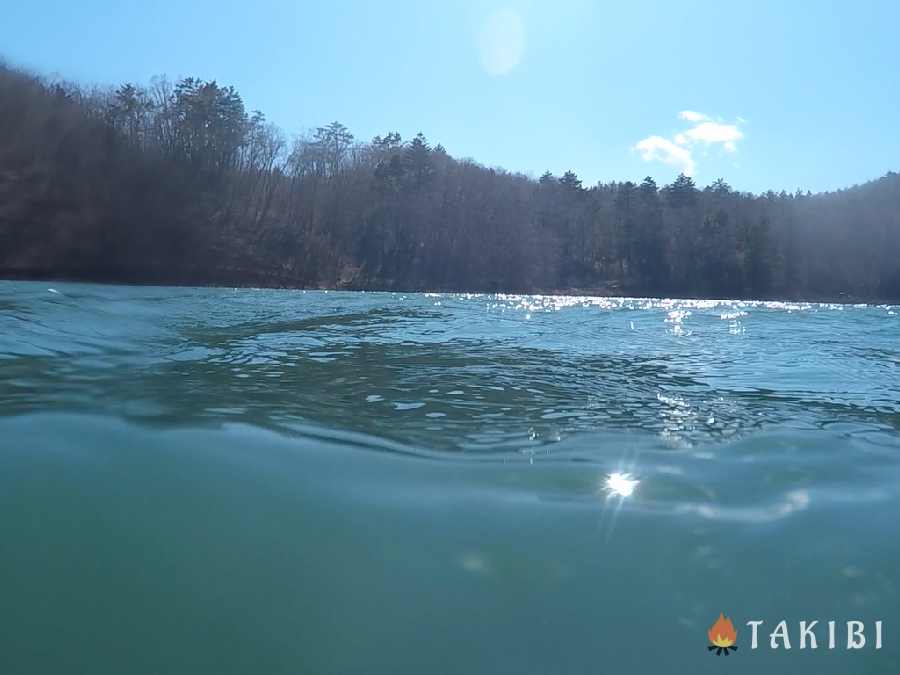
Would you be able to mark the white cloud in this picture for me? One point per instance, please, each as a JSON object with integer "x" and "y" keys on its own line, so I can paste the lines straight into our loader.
{"x": 692, "y": 116}
{"x": 678, "y": 151}
{"x": 715, "y": 132}
{"x": 659, "y": 149}
{"x": 502, "y": 42}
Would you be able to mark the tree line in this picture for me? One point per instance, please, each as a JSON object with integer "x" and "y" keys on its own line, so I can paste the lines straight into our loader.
{"x": 180, "y": 183}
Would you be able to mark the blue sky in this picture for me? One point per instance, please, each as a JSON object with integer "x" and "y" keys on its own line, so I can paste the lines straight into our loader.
{"x": 780, "y": 95}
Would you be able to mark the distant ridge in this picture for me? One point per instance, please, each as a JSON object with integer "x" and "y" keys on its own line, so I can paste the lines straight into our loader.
{"x": 177, "y": 183}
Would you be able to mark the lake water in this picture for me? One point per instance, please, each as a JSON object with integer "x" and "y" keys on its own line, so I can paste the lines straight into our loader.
{"x": 265, "y": 481}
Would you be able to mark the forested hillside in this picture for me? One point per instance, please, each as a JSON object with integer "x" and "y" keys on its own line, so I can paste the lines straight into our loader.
{"x": 179, "y": 183}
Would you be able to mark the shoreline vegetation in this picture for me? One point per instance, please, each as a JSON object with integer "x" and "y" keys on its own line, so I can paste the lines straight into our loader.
{"x": 178, "y": 184}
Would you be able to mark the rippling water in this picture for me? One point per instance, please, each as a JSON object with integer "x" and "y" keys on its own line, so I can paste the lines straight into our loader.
{"x": 261, "y": 481}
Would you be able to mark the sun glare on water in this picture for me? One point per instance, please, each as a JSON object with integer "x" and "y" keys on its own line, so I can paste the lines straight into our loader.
{"x": 621, "y": 484}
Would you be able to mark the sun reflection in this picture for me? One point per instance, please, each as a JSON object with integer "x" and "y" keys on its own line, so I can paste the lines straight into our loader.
{"x": 621, "y": 484}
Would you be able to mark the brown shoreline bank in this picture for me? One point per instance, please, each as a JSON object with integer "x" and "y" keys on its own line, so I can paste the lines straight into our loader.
{"x": 237, "y": 278}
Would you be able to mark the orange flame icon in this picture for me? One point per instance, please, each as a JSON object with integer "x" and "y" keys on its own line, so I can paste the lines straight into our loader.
{"x": 722, "y": 635}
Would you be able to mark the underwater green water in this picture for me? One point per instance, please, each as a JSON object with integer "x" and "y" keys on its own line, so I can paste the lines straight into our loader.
{"x": 263, "y": 481}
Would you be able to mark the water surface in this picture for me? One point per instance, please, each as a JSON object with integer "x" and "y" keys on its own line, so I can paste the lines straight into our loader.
{"x": 262, "y": 481}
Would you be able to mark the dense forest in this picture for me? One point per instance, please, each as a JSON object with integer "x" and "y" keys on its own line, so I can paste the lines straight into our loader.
{"x": 179, "y": 183}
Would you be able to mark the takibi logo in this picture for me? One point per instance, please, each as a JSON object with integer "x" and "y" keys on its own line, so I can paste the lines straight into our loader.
{"x": 722, "y": 636}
